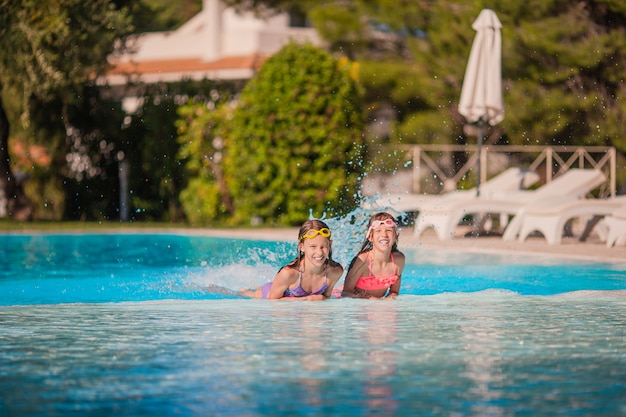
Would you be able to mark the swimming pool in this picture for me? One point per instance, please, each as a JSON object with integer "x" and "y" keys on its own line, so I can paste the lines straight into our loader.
{"x": 120, "y": 324}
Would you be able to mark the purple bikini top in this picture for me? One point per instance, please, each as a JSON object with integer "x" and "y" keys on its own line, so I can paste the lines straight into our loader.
{"x": 298, "y": 291}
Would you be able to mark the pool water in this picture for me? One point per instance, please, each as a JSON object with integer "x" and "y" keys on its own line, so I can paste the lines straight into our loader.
{"x": 148, "y": 324}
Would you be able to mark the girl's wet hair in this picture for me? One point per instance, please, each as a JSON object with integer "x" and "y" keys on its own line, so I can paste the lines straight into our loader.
{"x": 367, "y": 244}
{"x": 312, "y": 224}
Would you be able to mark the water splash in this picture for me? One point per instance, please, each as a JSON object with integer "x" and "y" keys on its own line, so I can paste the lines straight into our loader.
{"x": 159, "y": 267}
{"x": 233, "y": 277}
{"x": 349, "y": 230}
{"x": 260, "y": 263}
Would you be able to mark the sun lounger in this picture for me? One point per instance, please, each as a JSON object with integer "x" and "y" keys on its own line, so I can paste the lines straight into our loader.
{"x": 509, "y": 180}
{"x": 444, "y": 216}
{"x": 549, "y": 216}
{"x": 575, "y": 183}
{"x": 616, "y": 223}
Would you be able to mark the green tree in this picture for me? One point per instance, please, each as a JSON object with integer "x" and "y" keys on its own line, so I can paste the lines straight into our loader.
{"x": 81, "y": 181}
{"x": 564, "y": 69}
{"x": 50, "y": 51}
{"x": 563, "y": 65}
{"x": 296, "y": 139}
{"x": 202, "y": 129}
{"x": 149, "y": 145}
{"x": 163, "y": 15}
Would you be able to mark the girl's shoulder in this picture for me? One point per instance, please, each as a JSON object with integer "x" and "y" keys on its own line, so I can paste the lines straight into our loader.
{"x": 397, "y": 253}
{"x": 335, "y": 272}
{"x": 399, "y": 257}
{"x": 364, "y": 255}
{"x": 290, "y": 272}
{"x": 336, "y": 267}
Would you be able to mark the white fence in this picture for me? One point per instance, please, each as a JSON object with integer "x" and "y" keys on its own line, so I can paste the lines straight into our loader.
{"x": 431, "y": 164}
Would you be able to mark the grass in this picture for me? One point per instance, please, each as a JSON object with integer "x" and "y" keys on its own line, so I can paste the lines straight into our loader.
{"x": 46, "y": 226}
{"x": 11, "y": 226}
{"x": 104, "y": 227}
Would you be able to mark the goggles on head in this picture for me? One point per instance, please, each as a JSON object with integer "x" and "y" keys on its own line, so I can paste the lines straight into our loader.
{"x": 311, "y": 234}
{"x": 377, "y": 223}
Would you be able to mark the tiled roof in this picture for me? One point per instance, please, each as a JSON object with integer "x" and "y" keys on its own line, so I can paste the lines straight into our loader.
{"x": 230, "y": 67}
{"x": 218, "y": 44}
{"x": 253, "y": 62}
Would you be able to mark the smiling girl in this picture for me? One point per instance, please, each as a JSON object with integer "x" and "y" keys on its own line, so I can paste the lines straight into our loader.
{"x": 375, "y": 272}
{"x": 312, "y": 275}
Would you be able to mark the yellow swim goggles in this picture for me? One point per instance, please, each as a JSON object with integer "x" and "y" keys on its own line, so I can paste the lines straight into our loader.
{"x": 311, "y": 234}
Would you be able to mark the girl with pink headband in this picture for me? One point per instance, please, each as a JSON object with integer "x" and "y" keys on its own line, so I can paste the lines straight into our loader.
{"x": 376, "y": 270}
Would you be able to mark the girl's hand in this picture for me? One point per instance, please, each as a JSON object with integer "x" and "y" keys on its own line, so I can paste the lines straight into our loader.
{"x": 315, "y": 297}
{"x": 361, "y": 293}
{"x": 312, "y": 297}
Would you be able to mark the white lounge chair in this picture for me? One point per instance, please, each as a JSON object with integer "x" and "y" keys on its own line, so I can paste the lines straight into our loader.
{"x": 616, "y": 223}
{"x": 444, "y": 216}
{"x": 509, "y": 180}
{"x": 549, "y": 216}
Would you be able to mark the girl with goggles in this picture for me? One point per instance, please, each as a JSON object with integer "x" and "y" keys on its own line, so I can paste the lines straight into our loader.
{"x": 312, "y": 275}
{"x": 375, "y": 272}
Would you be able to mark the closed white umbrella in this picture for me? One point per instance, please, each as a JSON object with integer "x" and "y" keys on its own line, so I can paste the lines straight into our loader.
{"x": 481, "y": 95}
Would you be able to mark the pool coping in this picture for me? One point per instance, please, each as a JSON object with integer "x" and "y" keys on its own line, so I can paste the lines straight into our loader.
{"x": 571, "y": 248}
{"x": 592, "y": 249}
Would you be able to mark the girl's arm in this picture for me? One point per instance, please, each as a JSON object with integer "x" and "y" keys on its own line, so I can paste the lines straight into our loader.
{"x": 394, "y": 290}
{"x": 353, "y": 275}
{"x": 285, "y": 278}
{"x": 333, "y": 277}
{"x": 312, "y": 297}
{"x": 282, "y": 281}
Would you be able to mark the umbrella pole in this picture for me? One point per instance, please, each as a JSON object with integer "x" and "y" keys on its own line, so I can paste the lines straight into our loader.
{"x": 479, "y": 142}
{"x": 478, "y": 220}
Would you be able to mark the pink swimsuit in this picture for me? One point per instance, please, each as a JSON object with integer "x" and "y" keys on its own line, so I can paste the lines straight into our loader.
{"x": 373, "y": 282}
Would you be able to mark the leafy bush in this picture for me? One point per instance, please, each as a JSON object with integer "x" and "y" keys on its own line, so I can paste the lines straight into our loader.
{"x": 296, "y": 143}
{"x": 206, "y": 199}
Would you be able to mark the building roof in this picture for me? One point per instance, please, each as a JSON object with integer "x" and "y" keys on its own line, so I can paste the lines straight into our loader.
{"x": 218, "y": 43}
{"x": 170, "y": 70}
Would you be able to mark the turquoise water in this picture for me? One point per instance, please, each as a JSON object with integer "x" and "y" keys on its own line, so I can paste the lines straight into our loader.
{"x": 129, "y": 325}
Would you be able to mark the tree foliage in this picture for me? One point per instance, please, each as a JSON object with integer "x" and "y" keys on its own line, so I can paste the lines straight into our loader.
{"x": 61, "y": 45}
{"x": 162, "y": 15}
{"x": 563, "y": 65}
{"x": 51, "y": 50}
{"x": 81, "y": 180}
{"x": 563, "y": 72}
{"x": 202, "y": 127}
{"x": 295, "y": 145}
{"x": 58, "y": 45}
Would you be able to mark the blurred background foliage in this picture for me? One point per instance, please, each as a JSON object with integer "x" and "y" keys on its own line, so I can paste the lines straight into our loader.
{"x": 563, "y": 71}
{"x": 295, "y": 147}
{"x": 263, "y": 162}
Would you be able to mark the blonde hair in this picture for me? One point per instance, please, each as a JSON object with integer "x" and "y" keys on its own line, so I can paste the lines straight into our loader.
{"x": 312, "y": 224}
